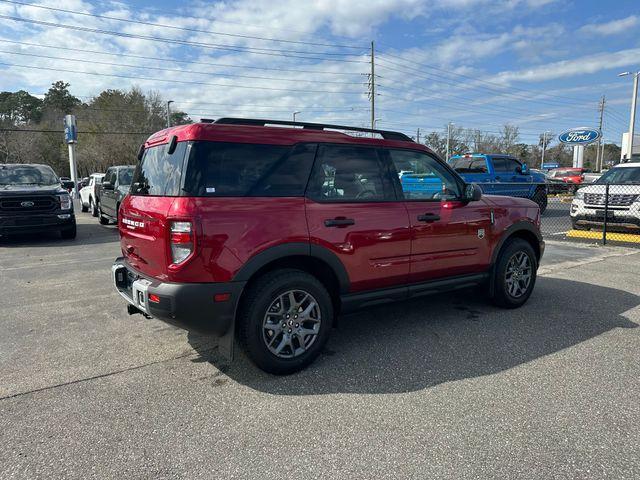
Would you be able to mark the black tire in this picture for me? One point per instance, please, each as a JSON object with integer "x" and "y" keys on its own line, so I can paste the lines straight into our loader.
{"x": 540, "y": 197}
{"x": 575, "y": 226}
{"x": 84, "y": 208}
{"x": 257, "y": 301}
{"x": 101, "y": 218}
{"x": 93, "y": 207}
{"x": 501, "y": 295}
{"x": 68, "y": 233}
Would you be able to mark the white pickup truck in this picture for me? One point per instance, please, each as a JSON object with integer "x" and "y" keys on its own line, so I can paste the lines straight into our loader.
{"x": 88, "y": 194}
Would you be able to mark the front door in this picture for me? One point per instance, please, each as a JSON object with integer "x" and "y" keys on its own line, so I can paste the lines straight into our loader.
{"x": 352, "y": 210}
{"x": 449, "y": 236}
{"x": 508, "y": 171}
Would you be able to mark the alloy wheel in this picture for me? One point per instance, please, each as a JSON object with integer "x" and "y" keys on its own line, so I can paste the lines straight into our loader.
{"x": 518, "y": 274}
{"x": 291, "y": 324}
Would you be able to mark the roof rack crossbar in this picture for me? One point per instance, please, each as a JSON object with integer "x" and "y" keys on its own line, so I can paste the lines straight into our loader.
{"x": 386, "y": 134}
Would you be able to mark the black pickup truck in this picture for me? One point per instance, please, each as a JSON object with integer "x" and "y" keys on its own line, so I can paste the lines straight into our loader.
{"x": 32, "y": 200}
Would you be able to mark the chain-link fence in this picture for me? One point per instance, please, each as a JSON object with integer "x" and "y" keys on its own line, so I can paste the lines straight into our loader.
{"x": 604, "y": 213}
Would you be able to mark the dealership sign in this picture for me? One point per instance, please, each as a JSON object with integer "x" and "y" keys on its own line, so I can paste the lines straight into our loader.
{"x": 579, "y": 136}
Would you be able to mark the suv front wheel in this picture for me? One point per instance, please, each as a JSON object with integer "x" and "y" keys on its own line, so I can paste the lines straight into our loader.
{"x": 284, "y": 321}
{"x": 514, "y": 274}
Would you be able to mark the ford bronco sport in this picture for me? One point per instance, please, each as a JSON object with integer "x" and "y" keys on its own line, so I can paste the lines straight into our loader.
{"x": 248, "y": 228}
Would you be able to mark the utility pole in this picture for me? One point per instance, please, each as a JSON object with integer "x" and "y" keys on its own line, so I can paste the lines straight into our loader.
{"x": 418, "y": 135}
{"x": 544, "y": 147}
{"x": 169, "y": 113}
{"x": 632, "y": 120}
{"x": 598, "y": 159}
{"x": 372, "y": 88}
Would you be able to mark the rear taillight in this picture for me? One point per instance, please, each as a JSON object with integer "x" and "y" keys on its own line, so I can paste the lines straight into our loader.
{"x": 181, "y": 238}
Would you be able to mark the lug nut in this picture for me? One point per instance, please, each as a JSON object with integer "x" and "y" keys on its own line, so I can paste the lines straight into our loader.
{"x": 289, "y": 330}
{"x": 297, "y": 325}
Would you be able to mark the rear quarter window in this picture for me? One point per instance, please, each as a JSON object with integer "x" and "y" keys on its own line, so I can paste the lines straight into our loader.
{"x": 218, "y": 169}
{"x": 159, "y": 174}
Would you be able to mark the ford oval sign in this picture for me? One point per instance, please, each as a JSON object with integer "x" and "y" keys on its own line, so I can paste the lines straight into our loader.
{"x": 579, "y": 136}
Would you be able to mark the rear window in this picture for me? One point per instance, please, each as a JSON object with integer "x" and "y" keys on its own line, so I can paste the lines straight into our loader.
{"x": 218, "y": 169}
{"x": 469, "y": 164}
{"x": 159, "y": 174}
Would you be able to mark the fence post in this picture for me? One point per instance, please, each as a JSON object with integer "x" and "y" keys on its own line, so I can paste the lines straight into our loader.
{"x": 606, "y": 214}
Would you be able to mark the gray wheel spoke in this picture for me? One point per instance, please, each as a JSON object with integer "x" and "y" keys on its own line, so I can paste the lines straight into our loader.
{"x": 291, "y": 323}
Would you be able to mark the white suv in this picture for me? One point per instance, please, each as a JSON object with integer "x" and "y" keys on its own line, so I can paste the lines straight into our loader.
{"x": 88, "y": 194}
{"x": 623, "y": 210}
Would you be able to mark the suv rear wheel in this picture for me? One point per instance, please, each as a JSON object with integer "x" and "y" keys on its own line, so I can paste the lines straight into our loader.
{"x": 284, "y": 320}
{"x": 514, "y": 274}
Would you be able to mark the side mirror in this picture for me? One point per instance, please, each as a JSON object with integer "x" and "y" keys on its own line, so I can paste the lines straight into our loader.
{"x": 472, "y": 192}
{"x": 107, "y": 185}
{"x": 523, "y": 169}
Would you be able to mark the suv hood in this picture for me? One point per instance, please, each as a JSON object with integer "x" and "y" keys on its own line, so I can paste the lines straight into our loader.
{"x": 504, "y": 201}
{"x": 31, "y": 190}
{"x": 613, "y": 189}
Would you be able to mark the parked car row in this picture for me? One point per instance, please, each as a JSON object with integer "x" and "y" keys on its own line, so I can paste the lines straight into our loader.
{"x": 103, "y": 192}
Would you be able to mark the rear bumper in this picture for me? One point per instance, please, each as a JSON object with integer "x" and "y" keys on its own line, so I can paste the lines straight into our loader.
{"x": 14, "y": 224}
{"x": 192, "y": 306}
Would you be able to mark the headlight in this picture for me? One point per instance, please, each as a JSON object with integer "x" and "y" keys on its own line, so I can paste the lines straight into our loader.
{"x": 65, "y": 202}
{"x": 579, "y": 195}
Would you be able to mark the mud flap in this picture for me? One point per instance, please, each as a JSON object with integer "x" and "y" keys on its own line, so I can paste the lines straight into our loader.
{"x": 226, "y": 342}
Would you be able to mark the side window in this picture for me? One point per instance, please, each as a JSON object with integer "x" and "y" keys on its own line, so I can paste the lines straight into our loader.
{"x": 512, "y": 165}
{"x": 499, "y": 165}
{"x": 109, "y": 176}
{"x": 422, "y": 177}
{"x": 347, "y": 173}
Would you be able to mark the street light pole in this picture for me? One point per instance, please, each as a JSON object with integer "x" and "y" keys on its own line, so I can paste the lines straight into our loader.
{"x": 169, "y": 113}
{"x": 632, "y": 120}
{"x": 294, "y": 115}
{"x": 448, "y": 140}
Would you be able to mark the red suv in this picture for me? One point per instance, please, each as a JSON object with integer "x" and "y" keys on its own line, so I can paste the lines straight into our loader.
{"x": 248, "y": 228}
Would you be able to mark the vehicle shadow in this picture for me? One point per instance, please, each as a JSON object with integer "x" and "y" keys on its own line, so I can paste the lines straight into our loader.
{"x": 415, "y": 345}
{"x": 89, "y": 232}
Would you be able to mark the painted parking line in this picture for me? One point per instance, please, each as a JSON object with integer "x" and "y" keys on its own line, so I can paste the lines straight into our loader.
{"x": 613, "y": 236}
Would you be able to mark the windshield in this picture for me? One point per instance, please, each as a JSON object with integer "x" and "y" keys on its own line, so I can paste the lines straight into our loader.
{"x": 621, "y": 175}
{"x": 27, "y": 175}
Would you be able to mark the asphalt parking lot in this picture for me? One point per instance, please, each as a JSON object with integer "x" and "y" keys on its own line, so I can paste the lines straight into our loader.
{"x": 444, "y": 387}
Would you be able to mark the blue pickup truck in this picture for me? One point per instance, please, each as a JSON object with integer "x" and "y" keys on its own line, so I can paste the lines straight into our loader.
{"x": 502, "y": 175}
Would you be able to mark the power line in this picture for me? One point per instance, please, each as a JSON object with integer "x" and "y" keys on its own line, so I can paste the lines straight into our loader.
{"x": 495, "y": 84}
{"x": 238, "y": 49}
{"x": 22, "y": 130}
{"x": 298, "y": 80}
{"x": 185, "y": 29}
{"x": 186, "y": 82}
{"x": 176, "y": 60}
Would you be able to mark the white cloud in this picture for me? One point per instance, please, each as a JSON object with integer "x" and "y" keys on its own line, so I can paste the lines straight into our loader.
{"x": 614, "y": 27}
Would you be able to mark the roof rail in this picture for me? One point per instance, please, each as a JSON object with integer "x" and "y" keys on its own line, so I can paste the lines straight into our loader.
{"x": 386, "y": 134}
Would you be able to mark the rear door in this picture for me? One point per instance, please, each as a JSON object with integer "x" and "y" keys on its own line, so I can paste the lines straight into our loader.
{"x": 449, "y": 236}
{"x": 107, "y": 195}
{"x": 352, "y": 210}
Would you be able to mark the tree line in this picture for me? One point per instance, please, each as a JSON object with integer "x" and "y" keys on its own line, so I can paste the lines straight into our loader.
{"x": 113, "y": 124}
{"x": 111, "y": 127}
{"x": 507, "y": 141}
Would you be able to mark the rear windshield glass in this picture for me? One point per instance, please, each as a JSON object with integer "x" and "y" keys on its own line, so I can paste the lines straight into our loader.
{"x": 159, "y": 174}
{"x": 27, "y": 175}
{"x": 469, "y": 164}
{"x": 621, "y": 175}
{"x": 568, "y": 173}
{"x": 221, "y": 169}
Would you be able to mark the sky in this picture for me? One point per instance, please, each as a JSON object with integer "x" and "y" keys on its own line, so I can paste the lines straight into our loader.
{"x": 541, "y": 65}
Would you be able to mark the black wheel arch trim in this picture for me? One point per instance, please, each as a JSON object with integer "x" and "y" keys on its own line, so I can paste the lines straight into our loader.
{"x": 522, "y": 225}
{"x": 282, "y": 251}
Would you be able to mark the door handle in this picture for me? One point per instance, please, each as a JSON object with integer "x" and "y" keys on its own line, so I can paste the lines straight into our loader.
{"x": 339, "y": 222}
{"x": 428, "y": 217}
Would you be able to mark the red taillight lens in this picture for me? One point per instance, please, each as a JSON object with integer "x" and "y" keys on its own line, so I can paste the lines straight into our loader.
{"x": 181, "y": 238}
